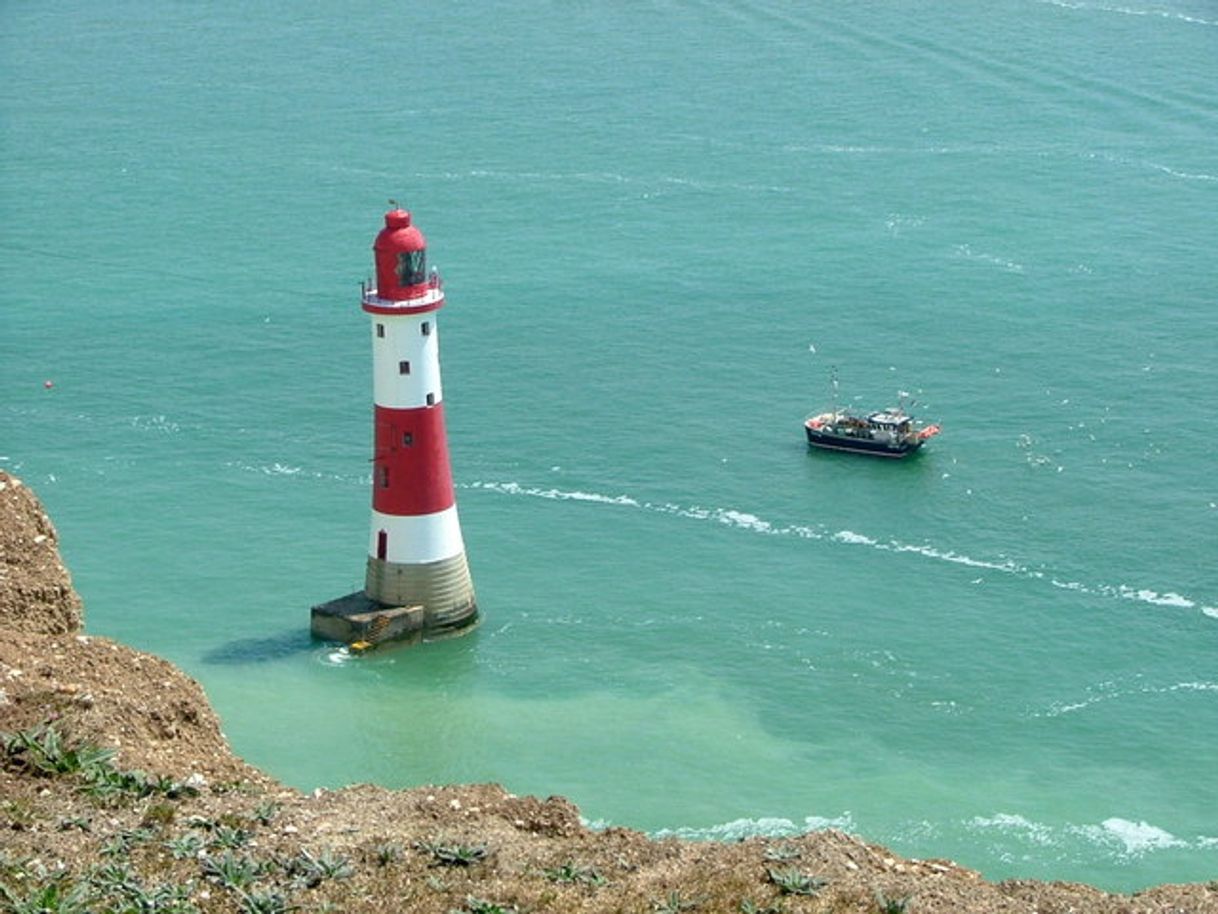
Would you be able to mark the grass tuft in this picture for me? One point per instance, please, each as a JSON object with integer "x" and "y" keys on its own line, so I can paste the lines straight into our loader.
{"x": 793, "y": 882}
{"x": 453, "y": 854}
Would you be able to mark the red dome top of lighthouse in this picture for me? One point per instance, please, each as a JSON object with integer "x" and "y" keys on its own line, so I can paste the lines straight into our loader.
{"x": 401, "y": 258}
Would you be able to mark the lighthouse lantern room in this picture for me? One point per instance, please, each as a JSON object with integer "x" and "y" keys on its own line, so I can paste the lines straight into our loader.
{"x": 417, "y": 581}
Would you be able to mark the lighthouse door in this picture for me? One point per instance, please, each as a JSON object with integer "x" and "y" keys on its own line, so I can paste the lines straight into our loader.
{"x": 382, "y": 544}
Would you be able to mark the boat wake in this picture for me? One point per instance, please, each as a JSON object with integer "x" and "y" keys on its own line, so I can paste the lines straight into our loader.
{"x": 751, "y": 523}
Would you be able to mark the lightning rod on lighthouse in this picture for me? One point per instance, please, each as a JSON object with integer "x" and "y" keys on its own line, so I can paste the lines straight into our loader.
{"x": 417, "y": 580}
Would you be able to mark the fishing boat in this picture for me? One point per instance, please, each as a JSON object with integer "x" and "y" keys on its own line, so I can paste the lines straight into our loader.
{"x": 887, "y": 433}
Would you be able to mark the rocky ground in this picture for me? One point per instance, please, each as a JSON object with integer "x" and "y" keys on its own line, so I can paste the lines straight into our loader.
{"x": 118, "y": 792}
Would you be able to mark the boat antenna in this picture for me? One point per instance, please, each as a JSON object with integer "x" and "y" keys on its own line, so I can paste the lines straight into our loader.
{"x": 833, "y": 385}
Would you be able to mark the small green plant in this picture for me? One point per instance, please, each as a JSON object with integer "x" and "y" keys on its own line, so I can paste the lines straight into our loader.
{"x": 187, "y": 845}
{"x": 569, "y": 873}
{"x": 793, "y": 882}
{"x": 107, "y": 783}
{"x": 308, "y": 871}
{"x": 166, "y": 899}
{"x": 169, "y": 788}
{"x": 886, "y": 905}
{"x": 53, "y": 898}
{"x": 119, "y": 884}
{"x": 674, "y": 903}
{"x": 232, "y": 871}
{"x": 41, "y": 750}
{"x": 453, "y": 854}
{"x": 264, "y": 812}
{"x": 748, "y": 906}
{"x": 120, "y": 844}
{"x": 112, "y": 878}
{"x": 387, "y": 853}
{"x": 482, "y": 906}
{"x": 269, "y": 902}
{"x": 78, "y": 822}
{"x": 225, "y": 836}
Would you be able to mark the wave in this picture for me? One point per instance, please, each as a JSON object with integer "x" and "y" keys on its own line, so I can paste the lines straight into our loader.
{"x": 1010, "y": 266}
{"x": 155, "y": 424}
{"x": 1110, "y": 691}
{"x": 1115, "y": 837}
{"x": 765, "y": 827}
{"x": 1154, "y": 166}
{"x": 1123, "y": 838}
{"x": 1187, "y": 175}
{"x": 1132, "y": 11}
{"x": 283, "y": 469}
{"x": 751, "y": 523}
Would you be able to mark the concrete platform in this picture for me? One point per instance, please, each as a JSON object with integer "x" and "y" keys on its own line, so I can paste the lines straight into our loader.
{"x": 358, "y": 618}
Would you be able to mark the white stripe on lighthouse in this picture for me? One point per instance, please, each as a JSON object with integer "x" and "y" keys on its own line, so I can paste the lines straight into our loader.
{"x": 415, "y": 540}
{"x": 405, "y": 360}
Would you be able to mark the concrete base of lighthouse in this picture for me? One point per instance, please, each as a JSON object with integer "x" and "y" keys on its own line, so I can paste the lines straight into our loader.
{"x": 358, "y": 619}
{"x": 401, "y": 602}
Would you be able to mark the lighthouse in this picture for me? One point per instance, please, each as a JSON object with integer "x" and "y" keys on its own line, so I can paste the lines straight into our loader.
{"x": 417, "y": 581}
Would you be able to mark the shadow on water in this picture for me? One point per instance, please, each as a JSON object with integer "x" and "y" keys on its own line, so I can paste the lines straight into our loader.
{"x": 254, "y": 650}
{"x": 442, "y": 654}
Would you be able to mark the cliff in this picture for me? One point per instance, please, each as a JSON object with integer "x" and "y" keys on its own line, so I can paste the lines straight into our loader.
{"x": 118, "y": 792}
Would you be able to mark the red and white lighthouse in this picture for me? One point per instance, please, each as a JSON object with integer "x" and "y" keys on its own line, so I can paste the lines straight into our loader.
{"x": 418, "y": 580}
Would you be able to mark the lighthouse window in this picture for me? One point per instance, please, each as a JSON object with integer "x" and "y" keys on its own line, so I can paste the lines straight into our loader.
{"x": 426, "y": 328}
{"x": 431, "y": 399}
{"x": 383, "y": 477}
{"x": 407, "y": 439}
{"x": 403, "y": 368}
{"x": 380, "y": 330}
{"x": 412, "y": 266}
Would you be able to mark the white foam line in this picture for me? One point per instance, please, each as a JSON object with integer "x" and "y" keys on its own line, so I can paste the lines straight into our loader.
{"x": 754, "y": 524}
{"x": 770, "y": 827}
{"x": 1125, "y": 838}
{"x": 512, "y": 488}
{"x": 1130, "y": 11}
{"x": 1187, "y": 175}
{"x": 1110, "y": 692}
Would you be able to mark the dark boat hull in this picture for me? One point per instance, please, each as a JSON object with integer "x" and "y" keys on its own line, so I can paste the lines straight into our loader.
{"x": 830, "y": 442}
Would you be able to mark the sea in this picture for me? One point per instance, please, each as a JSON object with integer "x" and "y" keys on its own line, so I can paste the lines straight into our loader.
{"x": 664, "y": 226}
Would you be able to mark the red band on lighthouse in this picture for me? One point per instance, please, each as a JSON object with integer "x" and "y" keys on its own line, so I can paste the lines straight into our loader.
{"x": 412, "y": 473}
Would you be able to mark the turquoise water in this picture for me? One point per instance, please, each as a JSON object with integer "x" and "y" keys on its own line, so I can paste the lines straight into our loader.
{"x": 661, "y": 226}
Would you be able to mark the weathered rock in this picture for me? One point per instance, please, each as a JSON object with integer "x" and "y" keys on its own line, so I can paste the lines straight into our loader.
{"x": 36, "y": 593}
